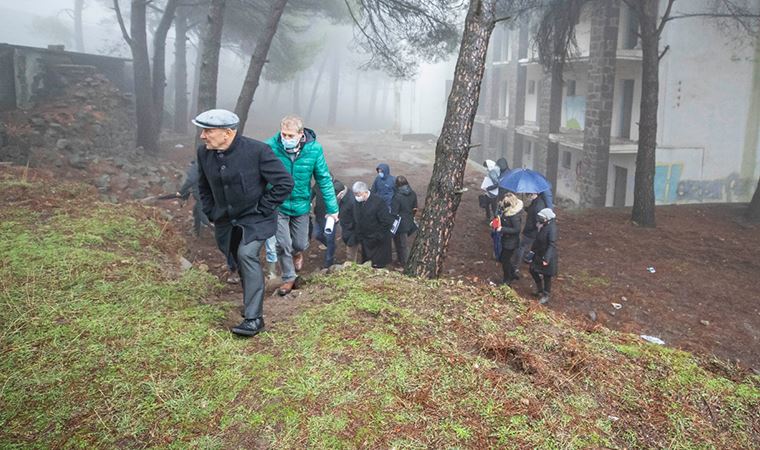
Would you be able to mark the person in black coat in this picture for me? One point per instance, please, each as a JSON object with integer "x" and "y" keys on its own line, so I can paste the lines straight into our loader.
{"x": 234, "y": 175}
{"x": 403, "y": 205}
{"x": 372, "y": 225}
{"x": 320, "y": 217}
{"x": 537, "y": 203}
{"x": 511, "y": 222}
{"x": 346, "y": 204}
{"x": 544, "y": 264}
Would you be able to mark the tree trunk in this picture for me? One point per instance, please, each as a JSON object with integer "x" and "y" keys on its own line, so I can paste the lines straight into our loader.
{"x": 444, "y": 191}
{"x": 159, "y": 69}
{"x": 753, "y": 210}
{"x": 180, "y": 71}
{"x": 315, "y": 90}
{"x": 256, "y": 65}
{"x": 372, "y": 99}
{"x": 141, "y": 67}
{"x": 78, "y": 32}
{"x": 296, "y": 94}
{"x": 555, "y": 121}
{"x": 332, "y": 112}
{"x": 196, "y": 75}
{"x": 212, "y": 44}
{"x": 643, "y": 193}
{"x": 275, "y": 97}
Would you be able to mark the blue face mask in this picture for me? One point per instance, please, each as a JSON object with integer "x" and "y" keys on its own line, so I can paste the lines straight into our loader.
{"x": 381, "y": 174}
{"x": 290, "y": 144}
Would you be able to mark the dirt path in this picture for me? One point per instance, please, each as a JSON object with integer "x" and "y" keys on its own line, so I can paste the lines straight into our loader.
{"x": 700, "y": 297}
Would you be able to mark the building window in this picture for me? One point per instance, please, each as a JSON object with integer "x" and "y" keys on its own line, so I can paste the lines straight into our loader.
{"x": 567, "y": 160}
{"x": 570, "y": 86}
{"x": 531, "y": 87}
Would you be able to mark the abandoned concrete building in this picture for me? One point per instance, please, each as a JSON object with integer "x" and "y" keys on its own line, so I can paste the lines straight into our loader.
{"x": 29, "y": 74}
{"x": 709, "y": 110}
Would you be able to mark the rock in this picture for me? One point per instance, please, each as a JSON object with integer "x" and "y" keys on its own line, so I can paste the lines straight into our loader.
{"x": 592, "y": 315}
{"x": 705, "y": 322}
{"x": 203, "y": 267}
{"x": 103, "y": 182}
{"x": 169, "y": 186}
{"x": 184, "y": 264}
{"x": 139, "y": 194}
{"x": 119, "y": 182}
{"x": 76, "y": 161}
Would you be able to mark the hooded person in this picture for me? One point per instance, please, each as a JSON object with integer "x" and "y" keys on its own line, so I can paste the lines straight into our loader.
{"x": 240, "y": 183}
{"x": 503, "y": 168}
{"x": 384, "y": 185}
{"x": 303, "y": 158}
{"x": 490, "y": 186}
{"x": 511, "y": 222}
{"x": 544, "y": 265}
{"x": 403, "y": 206}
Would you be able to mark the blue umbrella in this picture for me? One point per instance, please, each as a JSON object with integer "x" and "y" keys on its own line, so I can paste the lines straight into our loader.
{"x": 524, "y": 181}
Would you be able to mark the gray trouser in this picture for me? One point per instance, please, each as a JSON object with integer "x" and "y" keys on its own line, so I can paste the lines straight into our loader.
{"x": 402, "y": 247}
{"x": 525, "y": 244}
{"x": 292, "y": 237}
{"x": 252, "y": 278}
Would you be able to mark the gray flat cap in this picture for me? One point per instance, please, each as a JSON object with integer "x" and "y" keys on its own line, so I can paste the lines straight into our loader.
{"x": 216, "y": 118}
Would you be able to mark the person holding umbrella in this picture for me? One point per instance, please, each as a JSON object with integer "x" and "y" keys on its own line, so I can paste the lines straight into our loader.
{"x": 544, "y": 264}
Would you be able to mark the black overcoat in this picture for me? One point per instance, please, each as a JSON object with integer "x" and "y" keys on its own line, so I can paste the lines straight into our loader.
{"x": 545, "y": 248}
{"x": 373, "y": 222}
{"x": 403, "y": 204}
{"x": 242, "y": 187}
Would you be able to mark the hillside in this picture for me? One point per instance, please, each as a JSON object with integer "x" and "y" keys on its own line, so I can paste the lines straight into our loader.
{"x": 106, "y": 342}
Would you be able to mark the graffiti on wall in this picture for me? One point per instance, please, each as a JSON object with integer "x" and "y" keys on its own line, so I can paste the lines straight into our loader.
{"x": 730, "y": 189}
{"x": 670, "y": 188}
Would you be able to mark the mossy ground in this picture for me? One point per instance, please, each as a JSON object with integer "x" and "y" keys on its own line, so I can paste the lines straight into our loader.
{"x": 102, "y": 346}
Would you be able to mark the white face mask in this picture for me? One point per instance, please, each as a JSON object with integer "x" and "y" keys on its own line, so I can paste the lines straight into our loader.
{"x": 359, "y": 199}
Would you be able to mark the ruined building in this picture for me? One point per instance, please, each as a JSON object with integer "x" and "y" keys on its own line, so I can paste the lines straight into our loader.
{"x": 709, "y": 109}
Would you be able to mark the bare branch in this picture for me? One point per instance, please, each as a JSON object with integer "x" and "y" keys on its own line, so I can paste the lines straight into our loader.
{"x": 120, "y": 19}
{"x": 665, "y": 50}
{"x": 665, "y": 16}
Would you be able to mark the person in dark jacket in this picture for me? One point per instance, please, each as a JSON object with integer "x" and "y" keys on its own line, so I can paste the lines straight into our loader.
{"x": 384, "y": 185}
{"x": 503, "y": 168}
{"x": 241, "y": 183}
{"x": 320, "y": 217}
{"x": 346, "y": 205}
{"x": 403, "y": 205}
{"x": 511, "y": 222}
{"x": 544, "y": 264}
{"x": 373, "y": 226}
{"x": 190, "y": 186}
{"x": 537, "y": 203}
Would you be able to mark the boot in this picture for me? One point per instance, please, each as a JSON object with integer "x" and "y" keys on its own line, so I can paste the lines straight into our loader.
{"x": 249, "y": 327}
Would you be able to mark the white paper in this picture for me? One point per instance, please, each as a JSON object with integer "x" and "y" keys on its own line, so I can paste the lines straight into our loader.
{"x": 329, "y": 225}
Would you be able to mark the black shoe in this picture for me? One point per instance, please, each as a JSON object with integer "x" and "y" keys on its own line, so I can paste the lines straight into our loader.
{"x": 516, "y": 275}
{"x": 544, "y": 299}
{"x": 249, "y": 327}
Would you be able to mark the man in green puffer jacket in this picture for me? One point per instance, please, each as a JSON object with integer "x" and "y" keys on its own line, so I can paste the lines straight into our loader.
{"x": 303, "y": 158}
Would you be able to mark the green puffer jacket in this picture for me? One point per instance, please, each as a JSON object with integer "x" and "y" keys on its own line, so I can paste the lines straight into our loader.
{"x": 310, "y": 162}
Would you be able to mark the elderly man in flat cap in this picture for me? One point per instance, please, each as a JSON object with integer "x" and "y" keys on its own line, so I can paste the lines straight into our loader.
{"x": 241, "y": 185}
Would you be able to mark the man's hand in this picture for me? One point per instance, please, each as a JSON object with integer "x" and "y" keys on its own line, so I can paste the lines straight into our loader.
{"x": 334, "y": 217}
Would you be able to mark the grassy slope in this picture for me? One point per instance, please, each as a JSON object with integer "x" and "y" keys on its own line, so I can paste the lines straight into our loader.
{"x": 101, "y": 346}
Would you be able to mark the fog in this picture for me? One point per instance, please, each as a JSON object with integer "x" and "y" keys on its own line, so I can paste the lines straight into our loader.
{"x": 366, "y": 99}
